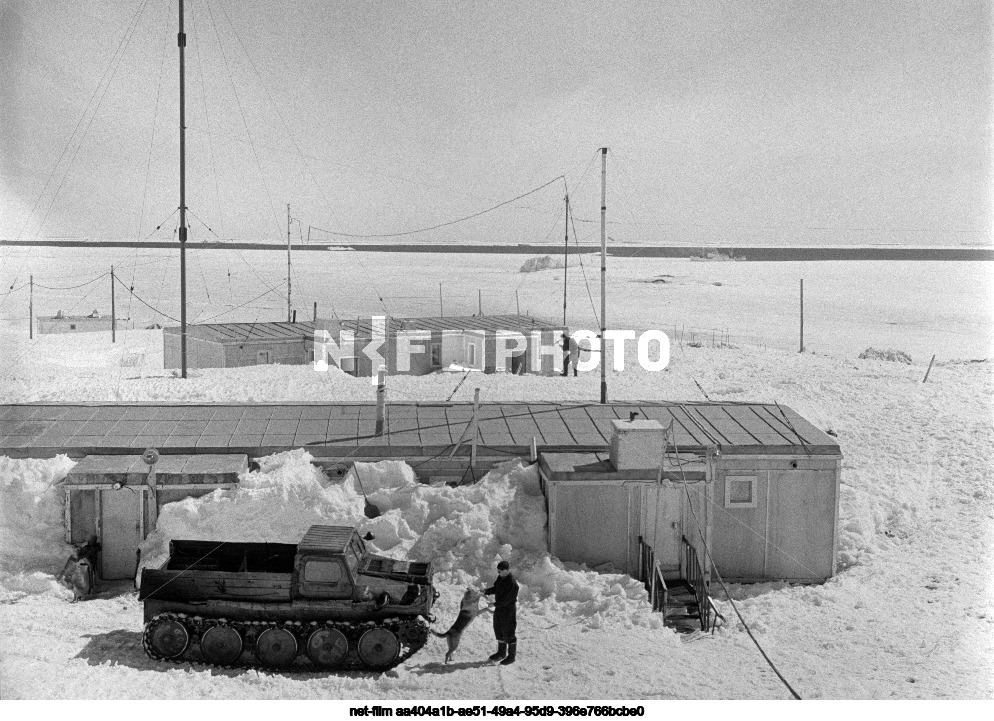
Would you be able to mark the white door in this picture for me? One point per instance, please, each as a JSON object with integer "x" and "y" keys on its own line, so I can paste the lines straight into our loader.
{"x": 120, "y": 531}
{"x": 662, "y": 507}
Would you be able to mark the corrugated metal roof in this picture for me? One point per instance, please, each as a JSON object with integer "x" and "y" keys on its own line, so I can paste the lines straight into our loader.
{"x": 411, "y": 428}
{"x": 333, "y": 539}
{"x": 281, "y": 331}
{"x": 492, "y": 323}
{"x": 247, "y": 332}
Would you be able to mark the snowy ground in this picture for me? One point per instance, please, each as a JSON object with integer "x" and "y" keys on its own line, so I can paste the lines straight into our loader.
{"x": 923, "y": 308}
{"x": 909, "y": 616}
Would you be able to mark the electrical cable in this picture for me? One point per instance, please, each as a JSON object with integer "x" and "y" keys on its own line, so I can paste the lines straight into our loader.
{"x": 73, "y": 287}
{"x": 707, "y": 549}
{"x": 241, "y": 110}
{"x": 441, "y": 225}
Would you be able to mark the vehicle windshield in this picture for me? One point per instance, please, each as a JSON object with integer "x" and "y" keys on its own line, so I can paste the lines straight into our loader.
{"x": 353, "y": 554}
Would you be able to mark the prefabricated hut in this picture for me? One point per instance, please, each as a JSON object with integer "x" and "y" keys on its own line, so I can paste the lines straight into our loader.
{"x": 233, "y": 345}
{"x": 753, "y": 487}
{"x": 463, "y": 342}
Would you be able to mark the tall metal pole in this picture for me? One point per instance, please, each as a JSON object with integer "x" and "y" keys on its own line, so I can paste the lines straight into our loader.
{"x": 603, "y": 273}
{"x": 288, "y": 290}
{"x": 113, "y": 309}
{"x": 802, "y": 316}
{"x": 31, "y": 307}
{"x": 565, "y": 259}
{"x": 181, "y": 42}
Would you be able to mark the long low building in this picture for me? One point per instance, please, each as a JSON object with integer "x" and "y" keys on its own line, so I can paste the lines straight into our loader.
{"x": 753, "y": 486}
{"x": 408, "y": 346}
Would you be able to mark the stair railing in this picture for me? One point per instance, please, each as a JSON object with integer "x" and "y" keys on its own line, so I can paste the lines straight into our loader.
{"x": 651, "y": 576}
{"x": 695, "y": 577}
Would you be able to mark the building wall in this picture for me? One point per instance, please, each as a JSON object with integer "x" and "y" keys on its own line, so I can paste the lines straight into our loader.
{"x": 80, "y": 325}
{"x": 292, "y": 352}
{"x": 595, "y": 523}
{"x": 452, "y": 349}
{"x": 790, "y": 532}
{"x": 199, "y": 353}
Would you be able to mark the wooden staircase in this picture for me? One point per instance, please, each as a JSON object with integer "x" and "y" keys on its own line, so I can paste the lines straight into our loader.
{"x": 682, "y": 611}
{"x": 681, "y": 597}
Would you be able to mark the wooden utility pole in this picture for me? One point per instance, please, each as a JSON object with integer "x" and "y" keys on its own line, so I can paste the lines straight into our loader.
{"x": 31, "y": 307}
{"x": 603, "y": 274}
{"x": 288, "y": 288}
{"x": 476, "y": 430}
{"x": 479, "y": 300}
{"x": 441, "y": 309}
{"x": 517, "y": 301}
{"x": 381, "y": 400}
{"x": 181, "y": 41}
{"x": 113, "y": 309}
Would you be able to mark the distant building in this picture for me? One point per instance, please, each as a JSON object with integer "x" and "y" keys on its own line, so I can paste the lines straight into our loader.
{"x": 233, "y": 345}
{"x": 92, "y": 323}
{"x": 407, "y": 346}
{"x": 417, "y": 346}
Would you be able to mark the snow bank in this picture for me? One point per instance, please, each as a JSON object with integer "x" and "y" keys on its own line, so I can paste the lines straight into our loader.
{"x": 464, "y": 530}
{"x": 895, "y": 356}
{"x": 544, "y": 262}
{"x": 32, "y": 545}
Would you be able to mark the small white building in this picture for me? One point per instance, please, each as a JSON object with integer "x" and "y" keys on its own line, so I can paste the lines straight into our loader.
{"x": 92, "y": 323}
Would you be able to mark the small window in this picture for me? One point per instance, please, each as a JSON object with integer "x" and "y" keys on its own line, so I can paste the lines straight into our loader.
{"x": 323, "y": 572}
{"x": 471, "y": 354}
{"x": 436, "y": 354}
{"x": 740, "y": 491}
{"x": 72, "y": 326}
{"x": 347, "y": 364}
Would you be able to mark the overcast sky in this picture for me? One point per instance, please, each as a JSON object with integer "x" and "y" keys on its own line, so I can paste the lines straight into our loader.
{"x": 775, "y": 122}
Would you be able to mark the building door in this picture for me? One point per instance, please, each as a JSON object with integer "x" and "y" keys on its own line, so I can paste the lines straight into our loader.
{"x": 662, "y": 513}
{"x": 263, "y": 358}
{"x": 120, "y": 532}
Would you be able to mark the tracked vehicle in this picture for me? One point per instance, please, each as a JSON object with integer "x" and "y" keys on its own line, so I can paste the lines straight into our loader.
{"x": 323, "y": 604}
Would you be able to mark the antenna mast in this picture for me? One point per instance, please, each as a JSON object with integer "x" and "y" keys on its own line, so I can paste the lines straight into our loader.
{"x": 565, "y": 258}
{"x": 181, "y": 41}
{"x": 603, "y": 273}
{"x": 288, "y": 312}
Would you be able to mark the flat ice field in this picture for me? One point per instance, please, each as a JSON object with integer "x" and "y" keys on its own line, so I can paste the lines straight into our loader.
{"x": 923, "y": 308}
{"x": 909, "y": 615}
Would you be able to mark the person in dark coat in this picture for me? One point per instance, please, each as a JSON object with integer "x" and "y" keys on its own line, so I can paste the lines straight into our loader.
{"x": 571, "y": 353}
{"x": 505, "y": 593}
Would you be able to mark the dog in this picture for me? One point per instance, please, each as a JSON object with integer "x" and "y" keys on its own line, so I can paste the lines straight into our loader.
{"x": 469, "y": 609}
{"x": 78, "y": 573}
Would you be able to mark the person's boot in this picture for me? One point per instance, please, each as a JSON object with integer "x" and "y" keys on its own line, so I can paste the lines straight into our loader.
{"x": 511, "y": 649}
{"x": 501, "y": 651}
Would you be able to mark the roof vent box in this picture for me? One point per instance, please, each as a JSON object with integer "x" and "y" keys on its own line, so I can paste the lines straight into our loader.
{"x": 636, "y": 445}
